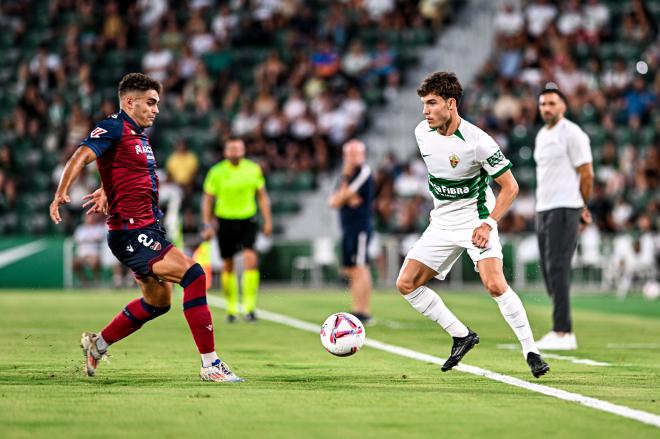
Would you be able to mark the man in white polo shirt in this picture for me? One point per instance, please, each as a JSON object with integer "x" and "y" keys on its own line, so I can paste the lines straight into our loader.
{"x": 564, "y": 180}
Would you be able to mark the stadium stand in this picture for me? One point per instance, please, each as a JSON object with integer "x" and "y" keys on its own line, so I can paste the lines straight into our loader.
{"x": 294, "y": 78}
{"x": 604, "y": 55}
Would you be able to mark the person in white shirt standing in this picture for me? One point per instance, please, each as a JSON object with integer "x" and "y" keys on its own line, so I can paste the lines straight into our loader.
{"x": 461, "y": 159}
{"x": 564, "y": 181}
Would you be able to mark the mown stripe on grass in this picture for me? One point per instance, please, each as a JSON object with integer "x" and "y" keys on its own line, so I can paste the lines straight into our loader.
{"x": 620, "y": 410}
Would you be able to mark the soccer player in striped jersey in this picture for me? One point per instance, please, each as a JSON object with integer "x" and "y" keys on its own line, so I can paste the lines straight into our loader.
{"x": 129, "y": 196}
{"x": 461, "y": 158}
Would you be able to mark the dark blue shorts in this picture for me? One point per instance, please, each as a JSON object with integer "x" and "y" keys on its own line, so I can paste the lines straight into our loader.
{"x": 139, "y": 249}
{"x": 354, "y": 245}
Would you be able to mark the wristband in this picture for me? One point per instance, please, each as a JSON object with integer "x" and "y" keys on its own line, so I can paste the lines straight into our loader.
{"x": 208, "y": 226}
{"x": 491, "y": 222}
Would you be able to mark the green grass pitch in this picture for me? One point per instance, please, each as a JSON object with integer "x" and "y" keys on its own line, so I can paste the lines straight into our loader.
{"x": 150, "y": 387}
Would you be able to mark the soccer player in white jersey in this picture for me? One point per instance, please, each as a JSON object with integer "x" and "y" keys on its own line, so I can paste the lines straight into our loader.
{"x": 461, "y": 159}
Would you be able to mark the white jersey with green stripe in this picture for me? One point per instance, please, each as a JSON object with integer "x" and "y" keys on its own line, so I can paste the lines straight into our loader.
{"x": 460, "y": 167}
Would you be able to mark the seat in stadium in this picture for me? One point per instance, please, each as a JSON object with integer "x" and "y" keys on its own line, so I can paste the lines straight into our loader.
{"x": 323, "y": 255}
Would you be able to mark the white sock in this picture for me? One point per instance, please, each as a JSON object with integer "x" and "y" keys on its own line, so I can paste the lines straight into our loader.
{"x": 208, "y": 359}
{"x": 514, "y": 313}
{"x": 427, "y": 302}
{"x": 101, "y": 344}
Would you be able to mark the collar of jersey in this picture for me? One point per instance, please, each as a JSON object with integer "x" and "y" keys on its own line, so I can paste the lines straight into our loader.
{"x": 127, "y": 118}
{"x": 457, "y": 133}
{"x": 231, "y": 166}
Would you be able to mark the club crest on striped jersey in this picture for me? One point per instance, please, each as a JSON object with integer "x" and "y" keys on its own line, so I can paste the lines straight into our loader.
{"x": 453, "y": 160}
{"x": 96, "y": 132}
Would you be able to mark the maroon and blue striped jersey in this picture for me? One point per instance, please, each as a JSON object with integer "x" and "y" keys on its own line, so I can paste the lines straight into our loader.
{"x": 127, "y": 166}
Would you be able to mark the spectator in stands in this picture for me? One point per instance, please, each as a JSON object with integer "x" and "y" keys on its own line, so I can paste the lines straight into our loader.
{"x": 383, "y": 61}
{"x": 596, "y": 17}
{"x": 201, "y": 40}
{"x": 639, "y": 100}
{"x": 356, "y": 61}
{"x": 271, "y": 72}
{"x": 633, "y": 258}
{"x": 407, "y": 184}
{"x": 570, "y": 20}
{"x": 539, "y": 14}
{"x": 114, "y": 31}
{"x": 157, "y": 60}
{"x": 325, "y": 60}
{"x": 509, "y": 21}
{"x": 182, "y": 166}
{"x": 151, "y": 12}
{"x": 224, "y": 24}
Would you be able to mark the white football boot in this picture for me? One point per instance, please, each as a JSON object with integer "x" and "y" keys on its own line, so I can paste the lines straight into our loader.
{"x": 555, "y": 342}
{"x": 219, "y": 372}
{"x": 91, "y": 352}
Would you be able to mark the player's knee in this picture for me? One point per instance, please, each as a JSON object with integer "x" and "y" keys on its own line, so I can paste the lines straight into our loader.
{"x": 194, "y": 272}
{"x": 156, "y": 310}
{"x": 405, "y": 284}
{"x": 496, "y": 287}
{"x": 228, "y": 265}
{"x": 250, "y": 259}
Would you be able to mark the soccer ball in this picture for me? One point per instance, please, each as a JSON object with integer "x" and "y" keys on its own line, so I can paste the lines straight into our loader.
{"x": 651, "y": 290}
{"x": 342, "y": 334}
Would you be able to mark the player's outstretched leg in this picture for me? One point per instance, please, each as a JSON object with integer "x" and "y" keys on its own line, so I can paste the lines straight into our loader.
{"x": 427, "y": 302}
{"x": 135, "y": 314}
{"x": 198, "y": 316}
{"x": 513, "y": 311}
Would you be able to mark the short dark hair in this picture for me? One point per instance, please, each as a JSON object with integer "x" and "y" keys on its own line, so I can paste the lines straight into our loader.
{"x": 444, "y": 84}
{"x": 556, "y": 91}
{"x": 138, "y": 82}
{"x": 233, "y": 138}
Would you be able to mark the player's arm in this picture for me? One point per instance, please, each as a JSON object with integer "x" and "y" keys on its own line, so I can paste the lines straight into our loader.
{"x": 348, "y": 191}
{"x": 339, "y": 197}
{"x": 207, "y": 216}
{"x": 508, "y": 193}
{"x": 344, "y": 196}
{"x": 72, "y": 170}
{"x": 586, "y": 172}
{"x": 264, "y": 206}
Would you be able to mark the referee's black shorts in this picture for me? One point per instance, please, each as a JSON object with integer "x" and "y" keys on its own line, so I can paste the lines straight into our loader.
{"x": 235, "y": 235}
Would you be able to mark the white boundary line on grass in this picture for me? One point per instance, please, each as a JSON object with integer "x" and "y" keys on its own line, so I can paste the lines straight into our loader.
{"x": 620, "y": 410}
{"x": 576, "y": 360}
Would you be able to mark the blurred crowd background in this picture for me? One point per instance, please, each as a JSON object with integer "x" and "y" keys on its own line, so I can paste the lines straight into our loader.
{"x": 294, "y": 78}
{"x": 298, "y": 78}
{"x": 604, "y": 56}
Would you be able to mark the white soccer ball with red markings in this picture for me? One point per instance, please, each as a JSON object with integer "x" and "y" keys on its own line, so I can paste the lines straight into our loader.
{"x": 342, "y": 334}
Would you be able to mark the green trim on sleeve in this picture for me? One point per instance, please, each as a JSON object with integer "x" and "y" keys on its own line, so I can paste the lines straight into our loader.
{"x": 503, "y": 170}
{"x": 482, "y": 209}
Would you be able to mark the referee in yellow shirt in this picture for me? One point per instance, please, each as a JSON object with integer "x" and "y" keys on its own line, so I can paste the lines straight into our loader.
{"x": 236, "y": 185}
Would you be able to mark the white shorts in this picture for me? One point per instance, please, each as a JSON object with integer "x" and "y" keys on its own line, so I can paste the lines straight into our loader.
{"x": 439, "y": 249}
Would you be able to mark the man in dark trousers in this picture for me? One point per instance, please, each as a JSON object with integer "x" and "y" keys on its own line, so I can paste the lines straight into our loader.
{"x": 564, "y": 178}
